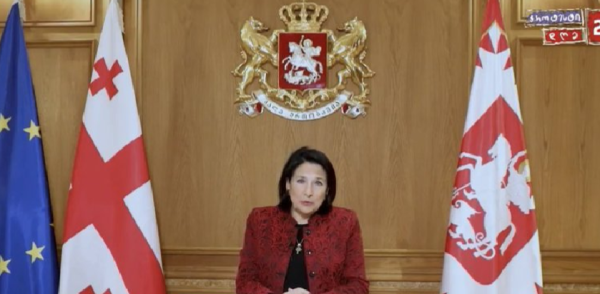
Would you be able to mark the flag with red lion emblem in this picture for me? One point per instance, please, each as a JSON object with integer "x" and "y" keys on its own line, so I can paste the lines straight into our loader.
{"x": 492, "y": 243}
{"x": 111, "y": 243}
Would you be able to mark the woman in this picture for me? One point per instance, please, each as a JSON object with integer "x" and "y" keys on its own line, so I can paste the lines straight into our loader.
{"x": 304, "y": 244}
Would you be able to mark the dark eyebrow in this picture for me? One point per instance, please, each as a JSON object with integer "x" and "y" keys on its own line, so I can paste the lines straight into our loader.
{"x": 303, "y": 177}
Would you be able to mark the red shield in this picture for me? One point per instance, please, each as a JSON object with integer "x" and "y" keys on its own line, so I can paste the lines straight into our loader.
{"x": 498, "y": 120}
{"x": 302, "y": 61}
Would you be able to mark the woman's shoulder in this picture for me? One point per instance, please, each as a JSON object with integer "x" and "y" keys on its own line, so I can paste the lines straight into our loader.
{"x": 264, "y": 212}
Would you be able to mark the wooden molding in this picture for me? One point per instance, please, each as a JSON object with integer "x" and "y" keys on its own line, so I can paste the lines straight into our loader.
{"x": 33, "y": 19}
{"x": 396, "y": 265}
{"x": 521, "y": 17}
{"x": 228, "y": 286}
{"x": 61, "y": 42}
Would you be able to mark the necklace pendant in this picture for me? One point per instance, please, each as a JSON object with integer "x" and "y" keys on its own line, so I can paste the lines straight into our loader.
{"x": 298, "y": 248}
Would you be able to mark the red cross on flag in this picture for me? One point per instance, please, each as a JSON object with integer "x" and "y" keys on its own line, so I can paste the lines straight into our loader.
{"x": 492, "y": 243}
{"x": 111, "y": 242}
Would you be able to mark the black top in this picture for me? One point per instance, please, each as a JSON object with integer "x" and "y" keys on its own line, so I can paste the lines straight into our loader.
{"x": 296, "y": 273}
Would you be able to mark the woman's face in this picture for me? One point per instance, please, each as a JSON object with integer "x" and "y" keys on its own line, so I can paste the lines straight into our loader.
{"x": 307, "y": 189}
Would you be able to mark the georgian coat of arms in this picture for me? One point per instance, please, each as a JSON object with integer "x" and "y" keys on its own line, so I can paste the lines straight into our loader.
{"x": 303, "y": 53}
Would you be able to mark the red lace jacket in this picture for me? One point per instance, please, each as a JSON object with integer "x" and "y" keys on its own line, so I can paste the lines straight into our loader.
{"x": 332, "y": 248}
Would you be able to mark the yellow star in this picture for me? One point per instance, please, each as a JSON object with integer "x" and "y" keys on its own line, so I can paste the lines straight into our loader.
{"x": 4, "y": 123}
{"x": 35, "y": 252}
{"x": 33, "y": 131}
{"x": 4, "y": 266}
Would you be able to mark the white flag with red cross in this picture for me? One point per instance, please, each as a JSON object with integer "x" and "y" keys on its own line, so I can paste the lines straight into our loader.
{"x": 492, "y": 243}
{"x": 111, "y": 243}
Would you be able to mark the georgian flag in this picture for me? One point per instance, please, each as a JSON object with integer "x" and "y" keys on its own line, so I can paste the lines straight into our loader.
{"x": 492, "y": 244}
{"x": 111, "y": 242}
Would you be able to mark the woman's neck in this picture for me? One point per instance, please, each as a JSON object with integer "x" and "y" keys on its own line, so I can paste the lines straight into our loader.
{"x": 300, "y": 218}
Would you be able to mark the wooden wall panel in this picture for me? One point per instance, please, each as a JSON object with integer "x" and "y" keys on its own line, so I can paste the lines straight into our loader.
{"x": 559, "y": 109}
{"x": 210, "y": 166}
{"x": 396, "y": 166}
{"x": 60, "y": 73}
{"x": 54, "y": 13}
{"x": 219, "y": 165}
{"x": 561, "y": 106}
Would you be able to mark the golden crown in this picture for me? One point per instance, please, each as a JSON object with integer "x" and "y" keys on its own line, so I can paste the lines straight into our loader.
{"x": 303, "y": 16}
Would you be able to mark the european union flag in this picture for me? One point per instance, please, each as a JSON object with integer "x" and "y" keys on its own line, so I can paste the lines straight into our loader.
{"x": 28, "y": 262}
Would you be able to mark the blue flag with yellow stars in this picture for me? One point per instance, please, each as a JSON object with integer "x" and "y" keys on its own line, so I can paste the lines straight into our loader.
{"x": 28, "y": 263}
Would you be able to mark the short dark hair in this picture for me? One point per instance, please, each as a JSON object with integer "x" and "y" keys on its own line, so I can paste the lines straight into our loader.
{"x": 298, "y": 157}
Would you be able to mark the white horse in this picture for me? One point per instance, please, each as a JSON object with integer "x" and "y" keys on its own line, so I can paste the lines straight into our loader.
{"x": 488, "y": 189}
{"x": 299, "y": 60}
